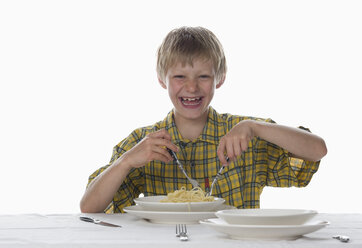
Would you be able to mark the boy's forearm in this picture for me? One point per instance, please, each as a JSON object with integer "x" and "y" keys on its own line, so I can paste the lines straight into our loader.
{"x": 298, "y": 142}
{"x": 101, "y": 190}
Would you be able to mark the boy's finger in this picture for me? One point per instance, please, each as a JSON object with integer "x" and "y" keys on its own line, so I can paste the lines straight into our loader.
{"x": 220, "y": 148}
{"x": 162, "y": 133}
{"x": 244, "y": 145}
{"x": 167, "y": 144}
{"x": 224, "y": 160}
{"x": 237, "y": 148}
{"x": 163, "y": 152}
{"x": 162, "y": 157}
{"x": 230, "y": 150}
{"x": 221, "y": 153}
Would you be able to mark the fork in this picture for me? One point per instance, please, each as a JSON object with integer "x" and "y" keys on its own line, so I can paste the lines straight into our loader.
{"x": 181, "y": 231}
{"x": 192, "y": 181}
{"x": 217, "y": 177}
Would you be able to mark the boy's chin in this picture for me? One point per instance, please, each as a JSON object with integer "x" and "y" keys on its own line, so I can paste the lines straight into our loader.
{"x": 192, "y": 114}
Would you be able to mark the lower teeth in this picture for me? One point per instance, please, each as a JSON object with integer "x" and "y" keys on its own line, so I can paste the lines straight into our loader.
{"x": 190, "y": 103}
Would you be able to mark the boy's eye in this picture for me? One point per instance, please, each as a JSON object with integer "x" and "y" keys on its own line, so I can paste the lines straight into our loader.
{"x": 204, "y": 76}
{"x": 179, "y": 76}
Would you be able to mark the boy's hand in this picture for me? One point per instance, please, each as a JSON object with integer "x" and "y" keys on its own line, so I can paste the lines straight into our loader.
{"x": 152, "y": 147}
{"x": 235, "y": 141}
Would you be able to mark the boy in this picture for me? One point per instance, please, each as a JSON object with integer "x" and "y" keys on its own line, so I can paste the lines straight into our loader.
{"x": 190, "y": 66}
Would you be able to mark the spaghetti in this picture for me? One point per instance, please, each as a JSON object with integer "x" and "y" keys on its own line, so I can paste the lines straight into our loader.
{"x": 183, "y": 195}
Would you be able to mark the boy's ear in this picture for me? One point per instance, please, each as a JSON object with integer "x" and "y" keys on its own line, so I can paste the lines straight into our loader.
{"x": 162, "y": 83}
{"x": 221, "y": 82}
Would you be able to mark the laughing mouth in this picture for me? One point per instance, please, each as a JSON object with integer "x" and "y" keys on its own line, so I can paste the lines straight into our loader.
{"x": 191, "y": 100}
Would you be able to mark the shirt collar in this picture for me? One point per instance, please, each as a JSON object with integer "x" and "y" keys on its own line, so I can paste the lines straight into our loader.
{"x": 170, "y": 126}
{"x": 213, "y": 131}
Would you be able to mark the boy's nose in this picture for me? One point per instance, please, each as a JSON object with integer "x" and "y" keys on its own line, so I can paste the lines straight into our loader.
{"x": 191, "y": 85}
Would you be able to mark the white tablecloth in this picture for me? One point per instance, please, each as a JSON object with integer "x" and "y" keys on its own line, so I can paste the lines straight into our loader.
{"x": 66, "y": 230}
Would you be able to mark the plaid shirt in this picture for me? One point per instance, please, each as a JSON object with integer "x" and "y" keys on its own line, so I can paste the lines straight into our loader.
{"x": 241, "y": 183}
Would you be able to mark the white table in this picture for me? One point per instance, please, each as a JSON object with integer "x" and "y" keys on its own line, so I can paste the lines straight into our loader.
{"x": 66, "y": 230}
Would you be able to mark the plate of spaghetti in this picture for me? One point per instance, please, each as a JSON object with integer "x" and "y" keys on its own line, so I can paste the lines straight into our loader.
{"x": 181, "y": 200}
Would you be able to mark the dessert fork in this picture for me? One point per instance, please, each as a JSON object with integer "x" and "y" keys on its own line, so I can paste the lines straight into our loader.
{"x": 181, "y": 232}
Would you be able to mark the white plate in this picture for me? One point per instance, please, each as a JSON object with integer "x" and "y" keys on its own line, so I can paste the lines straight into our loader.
{"x": 266, "y": 216}
{"x": 264, "y": 232}
{"x": 172, "y": 217}
{"x": 152, "y": 203}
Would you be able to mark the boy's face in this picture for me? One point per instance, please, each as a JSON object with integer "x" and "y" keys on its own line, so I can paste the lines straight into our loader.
{"x": 191, "y": 89}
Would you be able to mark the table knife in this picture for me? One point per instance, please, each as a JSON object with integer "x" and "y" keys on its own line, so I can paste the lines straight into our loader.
{"x": 99, "y": 222}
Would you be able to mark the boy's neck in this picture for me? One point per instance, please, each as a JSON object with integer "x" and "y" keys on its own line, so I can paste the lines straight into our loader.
{"x": 190, "y": 129}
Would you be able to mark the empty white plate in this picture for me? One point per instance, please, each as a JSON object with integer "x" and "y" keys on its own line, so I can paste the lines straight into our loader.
{"x": 266, "y": 216}
{"x": 264, "y": 232}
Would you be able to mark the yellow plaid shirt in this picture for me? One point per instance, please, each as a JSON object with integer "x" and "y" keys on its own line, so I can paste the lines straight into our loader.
{"x": 241, "y": 183}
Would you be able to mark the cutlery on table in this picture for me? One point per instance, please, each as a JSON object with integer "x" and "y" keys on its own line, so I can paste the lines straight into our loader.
{"x": 181, "y": 231}
{"x": 95, "y": 221}
{"x": 341, "y": 238}
{"x": 192, "y": 181}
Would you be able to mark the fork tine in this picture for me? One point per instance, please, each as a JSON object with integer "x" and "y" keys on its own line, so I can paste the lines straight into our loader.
{"x": 181, "y": 232}
{"x": 180, "y": 228}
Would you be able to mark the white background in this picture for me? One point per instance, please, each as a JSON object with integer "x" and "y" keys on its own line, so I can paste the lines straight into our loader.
{"x": 78, "y": 76}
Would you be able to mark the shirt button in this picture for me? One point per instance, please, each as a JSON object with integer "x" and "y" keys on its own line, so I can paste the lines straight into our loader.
{"x": 192, "y": 164}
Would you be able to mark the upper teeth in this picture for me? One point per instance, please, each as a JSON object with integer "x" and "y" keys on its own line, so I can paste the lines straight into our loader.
{"x": 190, "y": 99}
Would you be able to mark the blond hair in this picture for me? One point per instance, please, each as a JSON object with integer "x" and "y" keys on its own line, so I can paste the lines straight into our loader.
{"x": 186, "y": 44}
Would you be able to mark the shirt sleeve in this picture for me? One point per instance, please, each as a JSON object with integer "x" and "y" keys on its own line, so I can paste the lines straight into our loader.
{"x": 133, "y": 183}
{"x": 274, "y": 165}
{"x": 283, "y": 170}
